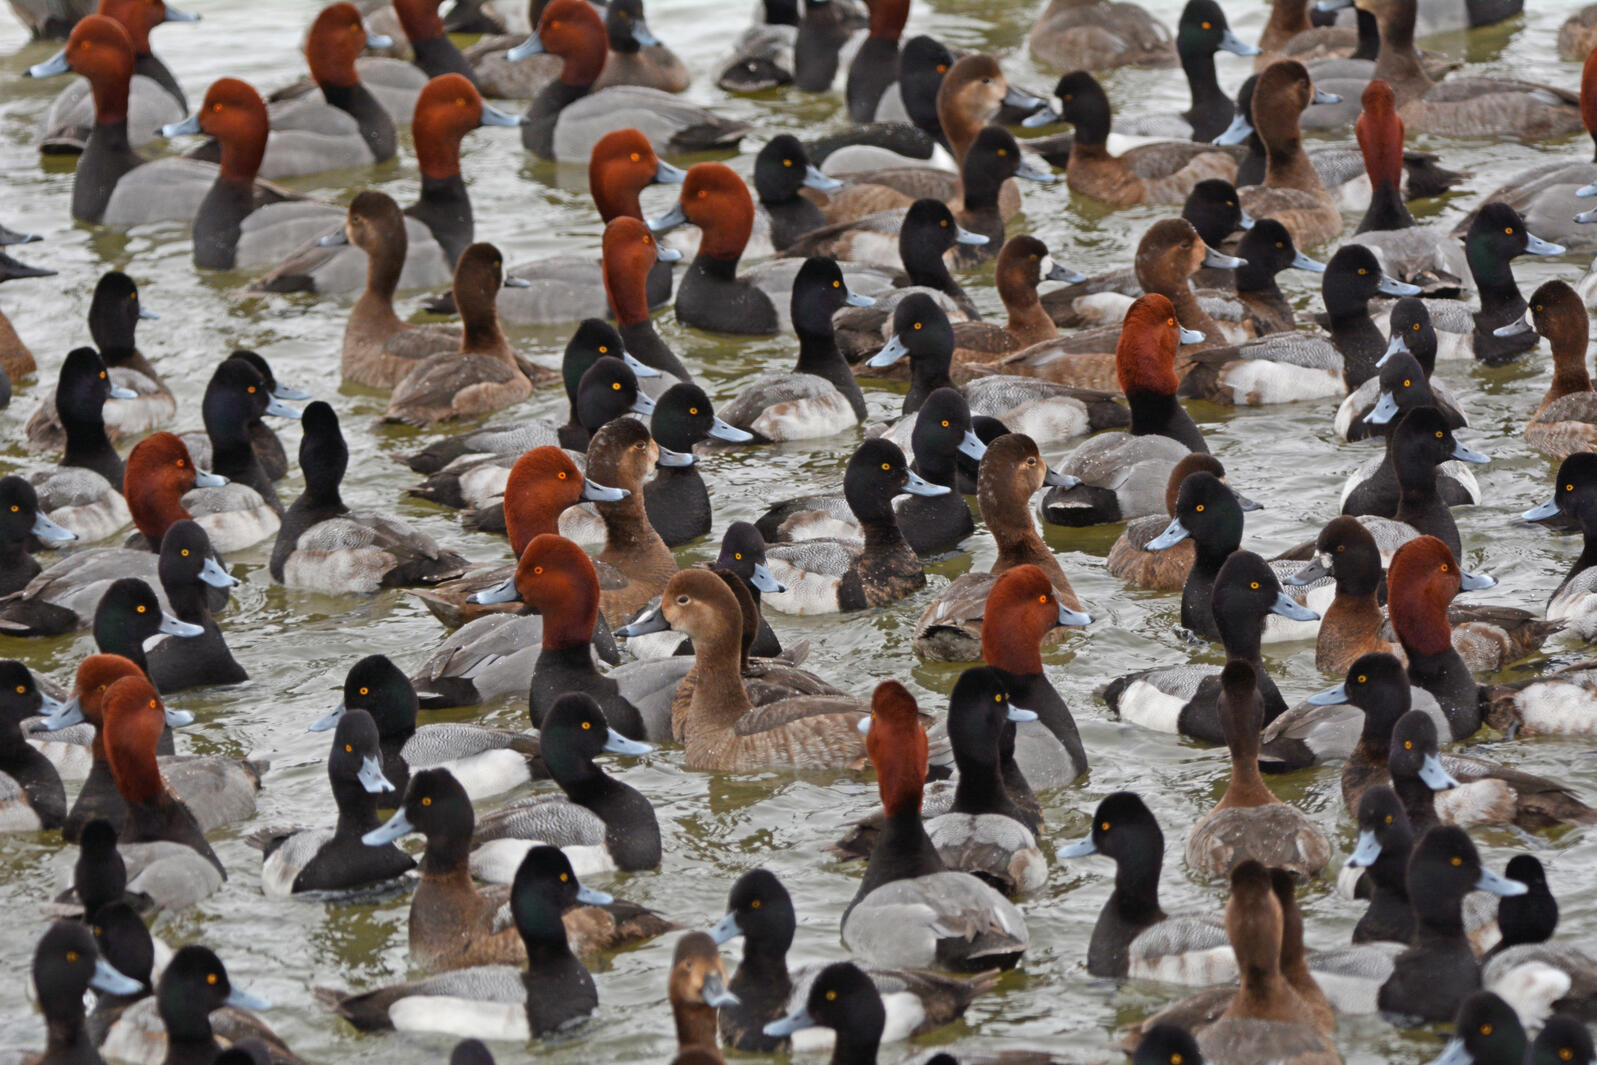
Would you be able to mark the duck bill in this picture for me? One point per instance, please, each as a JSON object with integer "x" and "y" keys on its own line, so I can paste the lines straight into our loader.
{"x": 640, "y": 369}
{"x": 1238, "y": 131}
{"x": 1245, "y": 221}
{"x": 49, "y": 532}
{"x": 174, "y": 15}
{"x": 186, "y": 128}
{"x": 1020, "y": 715}
{"x": 1455, "y": 1052}
{"x": 1218, "y": 260}
{"x": 965, "y": 236}
{"x": 324, "y": 724}
{"x": 721, "y": 430}
{"x": 207, "y": 479}
{"x": 674, "y": 459}
{"x": 1079, "y": 849}
{"x": 1475, "y": 582}
{"x": 916, "y": 485}
{"x": 512, "y": 281}
{"x": 1303, "y": 262}
{"x": 798, "y": 1020}
{"x": 671, "y": 219}
{"x": 642, "y": 34}
{"x": 389, "y": 830}
{"x": 278, "y": 409}
{"x": 530, "y": 47}
{"x": 891, "y": 352}
{"x": 1192, "y": 336}
{"x": 1368, "y": 849}
{"x": 1059, "y": 479}
{"x": 1230, "y": 42}
{"x": 492, "y": 116}
{"x": 653, "y": 621}
{"x": 1323, "y": 97}
{"x": 1076, "y": 619}
{"x": 1314, "y": 571}
{"x": 1586, "y": 217}
{"x": 814, "y": 179}
{"x": 1329, "y": 697}
{"x": 377, "y": 42}
{"x": 1537, "y": 246}
{"x": 1464, "y": 454}
{"x": 971, "y": 446}
{"x": 1058, "y": 272}
{"x": 1290, "y": 608}
{"x": 1032, "y": 172}
{"x": 66, "y": 715}
{"x": 1173, "y": 534}
{"x": 1586, "y": 192}
{"x": 1500, "y": 885}
{"x": 765, "y": 580}
{"x": 642, "y": 404}
{"x": 177, "y": 718}
{"x": 1021, "y": 100}
{"x": 863, "y": 725}
{"x": 1245, "y": 503}
{"x": 859, "y": 299}
{"x": 371, "y": 776}
{"x": 726, "y": 929}
{"x": 1393, "y": 346}
{"x": 666, "y": 174}
{"x": 49, "y": 707}
{"x": 108, "y": 980}
{"x": 616, "y": 743}
{"x": 1391, "y": 286}
{"x": 173, "y": 627}
{"x": 1385, "y": 410}
{"x": 503, "y": 592}
{"x": 594, "y": 492}
{"x": 148, "y": 315}
{"x": 1514, "y": 328}
{"x": 1434, "y": 775}
{"x": 593, "y": 896}
{"x": 714, "y": 992}
{"x": 289, "y": 392}
{"x": 334, "y": 240}
{"x": 118, "y": 392}
{"x": 1546, "y": 510}
{"x": 663, "y": 254}
{"x": 1047, "y": 116}
{"x": 55, "y": 65}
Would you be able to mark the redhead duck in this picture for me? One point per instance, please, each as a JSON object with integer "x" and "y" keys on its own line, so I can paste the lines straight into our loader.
{"x": 67, "y": 964}
{"x": 154, "y": 96}
{"x": 910, "y": 909}
{"x": 1485, "y": 107}
{"x": 931, "y": 525}
{"x": 1565, "y": 421}
{"x": 1133, "y": 935}
{"x": 1012, "y": 471}
{"x": 483, "y": 761}
{"x": 558, "y": 580}
{"x": 236, "y": 398}
{"x": 1098, "y": 35}
{"x": 721, "y": 730}
{"x": 634, "y": 261}
{"x": 1421, "y": 442}
{"x": 1121, "y": 476}
{"x": 602, "y": 824}
{"x": 438, "y": 226}
{"x": 114, "y": 313}
{"x": 485, "y": 374}
{"x": 825, "y": 576}
{"x": 84, "y": 493}
{"x": 1249, "y": 822}
{"x": 22, "y": 523}
{"x": 1424, "y": 256}
{"x": 323, "y": 545}
{"x": 1268, "y": 1019}
{"x": 635, "y": 56}
{"x": 113, "y": 184}
{"x": 15, "y": 358}
{"x": 185, "y": 1022}
{"x": 985, "y": 832}
{"x": 380, "y": 349}
{"x": 1023, "y": 264}
{"x": 570, "y": 114}
{"x": 676, "y": 500}
{"x": 554, "y": 994}
{"x": 1421, "y": 581}
{"x": 1164, "y": 172}
{"x": 1413, "y": 344}
{"x": 820, "y": 397}
{"x": 334, "y": 859}
{"x": 1571, "y": 601}
{"x": 1292, "y": 193}
{"x": 163, "y": 485}
{"x": 191, "y": 577}
{"x": 760, "y": 910}
{"x": 1183, "y": 699}
{"x": 1164, "y": 570}
{"x": 712, "y": 296}
{"x": 1201, "y": 32}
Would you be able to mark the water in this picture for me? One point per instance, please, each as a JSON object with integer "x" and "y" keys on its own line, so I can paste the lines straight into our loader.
{"x": 297, "y": 645}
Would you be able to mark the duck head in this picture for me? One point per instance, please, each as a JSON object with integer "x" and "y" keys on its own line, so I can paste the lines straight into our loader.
{"x": 193, "y": 986}
{"x": 159, "y": 473}
{"x": 1377, "y": 684}
{"x": 101, "y": 50}
{"x": 1123, "y": 829}
{"x": 783, "y": 167}
{"x": 759, "y": 909}
{"x": 235, "y": 114}
{"x": 1413, "y": 332}
{"x": 375, "y": 224}
{"x": 66, "y": 964}
{"x": 595, "y": 338}
{"x": 448, "y": 108}
{"x": 139, "y": 17}
{"x": 621, "y": 165}
{"x": 1207, "y": 510}
{"x": 743, "y": 553}
{"x": 819, "y": 292}
{"x": 541, "y": 485}
{"x": 374, "y": 684}
{"x": 544, "y": 888}
{"x": 357, "y": 755}
{"x": 1380, "y": 134}
{"x": 575, "y": 732}
{"x": 1414, "y": 753}
{"x": 572, "y": 30}
{"x": 115, "y": 312}
{"x": 436, "y": 806}
{"x": 845, "y": 1000}
{"x": 134, "y": 721}
{"x": 1145, "y": 356}
{"x": 896, "y": 744}
{"x": 556, "y": 578}
{"x": 1024, "y": 608}
{"x": 337, "y": 38}
{"x": 922, "y": 331}
{"x": 876, "y": 473}
{"x": 1574, "y": 492}
{"x": 697, "y": 988}
{"x": 1253, "y": 921}
{"x": 942, "y": 432}
{"x": 608, "y": 390}
{"x": 1012, "y": 470}
{"x": 20, "y": 516}
{"x": 1383, "y": 827}
{"x": 715, "y": 199}
{"x": 1486, "y": 1029}
{"x": 682, "y": 418}
{"x": 630, "y": 251}
{"x": 623, "y": 454}
{"x": 1167, "y": 1044}
{"x": 929, "y": 229}
{"x": 1215, "y": 210}
{"x": 1404, "y": 387}
{"x": 1023, "y": 264}
{"x": 186, "y": 557}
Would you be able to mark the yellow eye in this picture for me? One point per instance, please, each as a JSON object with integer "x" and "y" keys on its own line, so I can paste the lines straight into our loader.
{"x": 1456, "y": 862}
{"x": 1362, "y": 271}
{"x": 561, "y": 475}
{"x": 72, "y": 955}
{"x": 565, "y": 878}
{"x": 754, "y": 905}
{"x": 615, "y": 386}
{"x": 738, "y": 555}
{"x": 252, "y": 390}
{"x": 703, "y": 193}
{"x": 141, "y": 608}
{"x": 1415, "y": 327}
{"x": 426, "y": 800}
{"x": 1361, "y": 678}
{"x": 945, "y": 426}
{"x": 1438, "y": 434}
{"x": 1567, "y": 488}
{"x": 635, "y": 157}
{"x": 1509, "y": 230}
{"x": 22, "y": 689}
{"x": 1176, "y": 1059}
{"x": 787, "y": 162}
{"x": 212, "y": 978}
{"x": 185, "y": 552}
{"x": 831, "y": 996}
{"x": 587, "y": 726}
{"x": 349, "y": 748}
{"x": 1003, "y": 152}
{"x": 1205, "y": 25}
{"x": 943, "y": 223}
{"x": 365, "y": 691}
{"x": 1388, "y": 818}
{"x": 102, "y": 375}
{"x": 1198, "y": 508}
{"x": 1486, "y": 1029}
{"x": 1104, "y": 827}
{"x": 1408, "y": 745}
{"x": 537, "y": 571}
{"x": 1566, "y": 1054}
{"x": 917, "y": 325}
{"x": 604, "y": 349}
{"x": 1254, "y": 585}
{"x": 998, "y": 698}
{"x": 887, "y": 465}
{"x": 1445, "y": 568}
{"x": 1278, "y": 244}
{"x": 942, "y": 68}
{"x": 837, "y": 284}
{"x": 1407, "y": 383}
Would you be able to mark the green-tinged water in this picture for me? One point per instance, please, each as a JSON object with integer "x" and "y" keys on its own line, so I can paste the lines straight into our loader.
{"x": 297, "y": 646}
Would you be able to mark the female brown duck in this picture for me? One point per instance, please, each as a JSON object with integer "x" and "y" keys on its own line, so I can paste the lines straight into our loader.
{"x": 1292, "y": 193}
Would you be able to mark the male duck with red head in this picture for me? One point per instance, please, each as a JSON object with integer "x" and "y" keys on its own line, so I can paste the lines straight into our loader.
{"x": 431, "y": 50}
{"x": 908, "y": 901}
{"x": 568, "y": 116}
{"x": 1120, "y": 476}
{"x": 161, "y": 473}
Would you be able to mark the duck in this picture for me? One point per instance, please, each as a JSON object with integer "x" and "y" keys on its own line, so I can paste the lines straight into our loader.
{"x": 67, "y": 964}
{"x": 163, "y": 485}
{"x": 1023, "y": 264}
{"x": 24, "y": 698}
{"x": 874, "y": 69}
{"x": 1292, "y": 192}
{"x": 308, "y": 252}
{"x": 922, "y": 331}
{"x": 1534, "y": 974}
{"x": 268, "y": 448}
{"x": 802, "y": 731}
{"x": 676, "y": 500}
{"x": 621, "y": 454}
{"x": 236, "y": 398}
{"x": 769, "y": 53}
{"x": 1565, "y": 421}
{"x": 781, "y": 171}
{"x": 1121, "y": 476}
{"x": 83, "y": 494}
{"x": 498, "y": 1001}
{"x": 1414, "y": 335}
{"x": 321, "y": 859}
{"x": 910, "y": 909}
{"x": 1488, "y": 1029}
{"x": 1201, "y": 32}
{"x": 154, "y": 96}
{"x": 1164, "y": 172}
{"x": 931, "y": 525}
{"x": 568, "y": 115}
{"x": 1012, "y": 470}
{"x": 1164, "y": 570}
{"x": 483, "y": 761}
{"x": 325, "y": 546}
{"x": 484, "y": 374}
{"x": 1184, "y": 699}
{"x": 826, "y": 576}
{"x": 1266, "y": 249}
{"x": 453, "y": 925}
{"x": 194, "y": 1009}
{"x": 114, "y": 313}
{"x": 712, "y": 296}
{"x": 985, "y": 832}
{"x": 1353, "y": 623}
{"x": 432, "y": 52}
{"x": 113, "y": 184}
{"x": 1413, "y": 452}
{"x": 1381, "y": 856}
{"x": 635, "y": 56}
{"x": 16, "y": 360}
{"x": 1250, "y": 823}
{"x": 1571, "y": 600}
{"x": 602, "y": 824}
{"x": 633, "y": 259}
{"x": 760, "y": 910}
{"x": 1099, "y": 35}
{"x": 191, "y": 578}
{"x": 1426, "y": 981}
{"x": 697, "y": 988}
{"x": 34, "y": 798}
{"x": 927, "y": 234}
{"x": 820, "y": 397}
{"x": 1133, "y": 936}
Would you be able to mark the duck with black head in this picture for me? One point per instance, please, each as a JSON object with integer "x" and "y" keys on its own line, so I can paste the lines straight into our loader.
{"x": 24, "y": 527}
{"x": 1380, "y": 861}
{"x": 83, "y": 493}
{"x": 1406, "y": 485}
{"x": 1574, "y": 601}
{"x": 67, "y": 965}
{"x": 1414, "y": 336}
{"x": 1164, "y": 570}
{"x": 676, "y": 500}
{"x": 236, "y": 398}
{"x": 1201, "y": 33}
{"x": 781, "y": 171}
{"x": 194, "y": 583}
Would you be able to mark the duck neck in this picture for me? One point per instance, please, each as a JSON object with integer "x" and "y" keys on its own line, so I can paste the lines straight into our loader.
{"x": 1027, "y": 318}
{"x": 1286, "y": 165}
{"x": 1263, "y": 990}
{"x": 1246, "y": 786}
{"x": 1387, "y": 210}
{"x": 188, "y": 600}
{"x": 544, "y": 935}
{"x": 1569, "y": 368}
{"x": 1207, "y": 96}
{"x": 695, "y": 1024}
{"x": 88, "y": 446}
{"x": 926, "y": 375}
{"x": 627, "y": 286}
{"x": 926, "y": 267}
{"x": 903, "y": 851}
{"x": 357, "y": 808}
{"x": 1156, "y": 414}
{"x": 855, "y": 1046}
{"x": 1242, "y": 634}
{"x": 818, "y": 352}
{"x": 384, "y": 264}
{"x": 980, "y": 788}
{"x": 447, "y": 855}
{"x": 719, "y": 697}
{"x": 1136, "y": 894}
{"x": 445, "y": 209}
{"x": 1256, "y": 278}
{"x": 1494, "y": 277}
{"x": 1369, "y": 31}
{"x": 157, "y": 511}
{"x": 570, "y": 625}
{"x": 1397, "y": 63}
{"x": 1439, "y": 917}
{"x": 1419, "y": 803}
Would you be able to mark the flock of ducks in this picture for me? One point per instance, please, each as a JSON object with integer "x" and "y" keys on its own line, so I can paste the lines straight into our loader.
{"x": 859, "y": 237}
